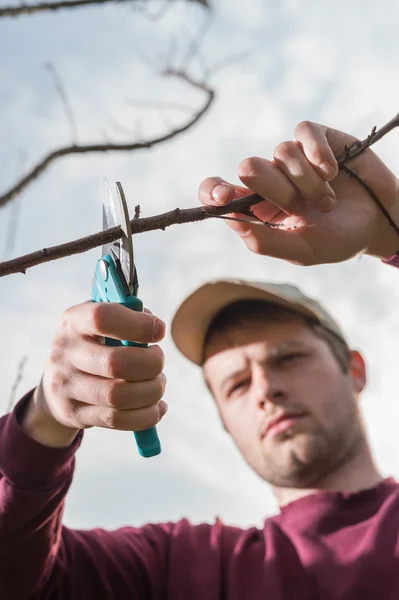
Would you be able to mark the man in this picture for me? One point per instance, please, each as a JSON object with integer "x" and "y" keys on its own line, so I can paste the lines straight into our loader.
{"x": 287, "y": 387}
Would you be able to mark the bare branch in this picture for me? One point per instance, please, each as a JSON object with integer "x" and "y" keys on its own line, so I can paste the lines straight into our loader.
{"x": 164, "y": 105}
{"x": 30, "y": 9}
{"x": 193, "y": 50}
{"x": 42, "y": 165}
{"x": 17, "y": 381}
{"x": 12, "y": 228}
{"x": 65, "y": 102}
{"x": 189, "y": 215}
{"x": 374, "y": 196}
{"x": 173, "y": 217}
{"x": 359, "y": 147}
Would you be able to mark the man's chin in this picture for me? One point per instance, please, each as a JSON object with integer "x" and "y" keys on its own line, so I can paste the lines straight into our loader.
{"x": 293, "y": 462}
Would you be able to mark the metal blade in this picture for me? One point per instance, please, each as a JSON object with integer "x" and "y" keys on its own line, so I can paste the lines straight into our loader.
{"x": 126, "y": 246}
{"x": 110, "y": 220}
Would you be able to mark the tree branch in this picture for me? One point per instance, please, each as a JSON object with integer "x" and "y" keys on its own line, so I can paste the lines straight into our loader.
{"x": 173, "y": 217}
{"x": 65, "y": 101}
{"x": 359, "y": 147}
{"x": 30, "y": 9}
{"x": 42, "y": 165}
{"x": 16, "y": 383}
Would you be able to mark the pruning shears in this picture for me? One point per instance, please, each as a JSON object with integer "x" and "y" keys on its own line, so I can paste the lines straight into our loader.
{"x": 115, "y": 280}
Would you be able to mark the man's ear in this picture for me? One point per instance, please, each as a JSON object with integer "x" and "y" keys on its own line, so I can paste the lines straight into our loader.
{"x": 357, "y": 370}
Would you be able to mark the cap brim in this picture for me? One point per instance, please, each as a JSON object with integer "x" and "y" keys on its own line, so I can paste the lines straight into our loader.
{"x": 192, "y": 319}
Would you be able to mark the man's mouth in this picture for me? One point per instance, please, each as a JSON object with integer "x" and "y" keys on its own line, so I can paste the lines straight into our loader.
{"x": 281, "y": 424}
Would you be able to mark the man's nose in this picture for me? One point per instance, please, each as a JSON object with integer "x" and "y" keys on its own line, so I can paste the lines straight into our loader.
{"x": 269, "y": 388}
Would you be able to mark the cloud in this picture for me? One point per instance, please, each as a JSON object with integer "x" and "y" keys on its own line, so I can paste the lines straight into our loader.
{"x": 303, "y": 62}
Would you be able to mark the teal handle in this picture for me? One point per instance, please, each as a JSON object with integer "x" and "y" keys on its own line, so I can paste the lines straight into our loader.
{"x": 107, "y": 287}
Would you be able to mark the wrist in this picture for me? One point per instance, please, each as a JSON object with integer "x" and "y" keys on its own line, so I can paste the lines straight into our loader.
{"x": 41, "y": 426}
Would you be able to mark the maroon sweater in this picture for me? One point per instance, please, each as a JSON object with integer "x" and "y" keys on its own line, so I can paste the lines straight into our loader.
{"x": 325, "y": 546}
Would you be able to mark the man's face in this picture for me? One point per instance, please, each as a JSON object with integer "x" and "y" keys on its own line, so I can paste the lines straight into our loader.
{"x": 260, "y": 371}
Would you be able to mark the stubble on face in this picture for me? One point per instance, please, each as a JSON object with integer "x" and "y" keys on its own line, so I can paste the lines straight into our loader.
{"x": 301, "y": 457}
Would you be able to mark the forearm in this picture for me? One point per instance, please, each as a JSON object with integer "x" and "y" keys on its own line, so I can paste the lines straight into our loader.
{"x": 34, "y": 480}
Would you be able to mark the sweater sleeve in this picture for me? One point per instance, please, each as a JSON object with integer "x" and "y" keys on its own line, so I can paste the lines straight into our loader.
{"x": 34, "y": 480}
{"x": 42, "y": 560}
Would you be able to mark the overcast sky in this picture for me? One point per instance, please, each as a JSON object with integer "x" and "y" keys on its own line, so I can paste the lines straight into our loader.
{"x": 331, "y": 62}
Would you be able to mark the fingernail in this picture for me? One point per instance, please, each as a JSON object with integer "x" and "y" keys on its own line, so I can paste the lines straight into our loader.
{"x": 327, "y": 168}
{"x": 162, "y": 409}
{"x": 220, "y": 193}
{"x": 325, "y": 204}
{"x": 158, "y": 329}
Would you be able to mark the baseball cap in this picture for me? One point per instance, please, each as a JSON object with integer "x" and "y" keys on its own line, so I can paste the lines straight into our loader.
{"x": 194, "y": 316}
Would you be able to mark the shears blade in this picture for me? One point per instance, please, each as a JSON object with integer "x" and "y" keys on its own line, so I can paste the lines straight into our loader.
{"x": 116, "y": 213}
{"x": 110, "y": 220}
{"x": 126, "y": 246}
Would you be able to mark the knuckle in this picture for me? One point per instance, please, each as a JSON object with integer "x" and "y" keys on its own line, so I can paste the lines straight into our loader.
{"x": 160, "y": 386}
{"x": 114, "y": 364}
{"x": 150, "y": 417}
{"x": 98, "y": 316}
{"x": 158, "y": 359}
{"x": 286, "y": 150}
{"x": 112, "y": 394}
{"x": 57, "y": 381}
{"x": 248, "y": 167}
{"x": 65, "y": 322}
{"x": 56, "y": 354}
{"x": 303, "y": 127}
{"x": 109, "y": 418}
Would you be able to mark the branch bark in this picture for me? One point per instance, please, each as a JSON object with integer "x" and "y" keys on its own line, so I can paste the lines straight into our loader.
{"x": 30, "y": 9}
{"x": 173, "y": 217}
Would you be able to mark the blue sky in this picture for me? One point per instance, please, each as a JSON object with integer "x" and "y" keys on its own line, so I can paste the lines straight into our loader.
{"x": 331, "y": 62}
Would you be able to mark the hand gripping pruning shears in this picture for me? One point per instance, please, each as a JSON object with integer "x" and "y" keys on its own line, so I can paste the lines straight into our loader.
{"x": 115, "y": 280}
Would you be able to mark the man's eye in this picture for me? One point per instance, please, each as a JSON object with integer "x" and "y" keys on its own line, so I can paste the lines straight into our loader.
{"x": 239, "y": 386}
{"x": 287, "y": 358}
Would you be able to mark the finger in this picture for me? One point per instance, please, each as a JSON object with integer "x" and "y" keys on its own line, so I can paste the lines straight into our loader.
{"x": 277, "y": 243}
{"x": 126, "y": 420}
{"x": 116, "y": 393}
{"x": 267, "y": 180}
{"x": 290, "y": 158}
{"x": 217, "y": 191}
{"x": 319, "y": 144}
{"x": 113, "y": 320}
{"x": 116, "y": 362}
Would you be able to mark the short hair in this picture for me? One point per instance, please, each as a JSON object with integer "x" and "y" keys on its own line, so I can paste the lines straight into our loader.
{"x": 269, "y": 311}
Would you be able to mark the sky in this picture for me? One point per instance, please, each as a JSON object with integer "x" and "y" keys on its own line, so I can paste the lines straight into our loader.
{"x": 329, "y": 62}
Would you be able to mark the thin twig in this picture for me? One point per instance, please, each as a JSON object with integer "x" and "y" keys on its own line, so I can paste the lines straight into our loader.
{"x": 12, "y": 228}
{"x": 359, "y": 147}
{"x": 193, "y": 50}
{"x": 164, "y": 105}
{"x": 16, "y": 383}
{"x": 43, "y": 164}
{"x": 65, "y": 102}
{"x": 30, "y": 9}
{"x": 173, "y": 217}
{"x": 254, "y": 222}
{"x": 374, "y": 196}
